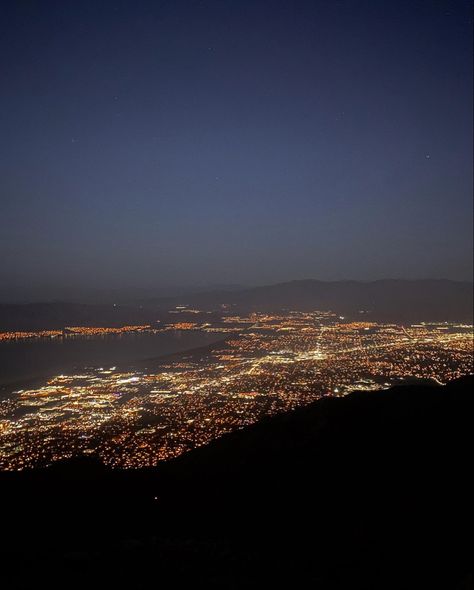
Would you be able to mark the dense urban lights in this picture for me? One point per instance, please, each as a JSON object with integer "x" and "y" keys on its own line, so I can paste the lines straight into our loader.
{"x": 266, "y": 364}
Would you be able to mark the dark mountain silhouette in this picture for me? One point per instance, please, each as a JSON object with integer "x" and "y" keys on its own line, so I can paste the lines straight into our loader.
{"x": 395, "y": 300}
{"x": 370, "y": 491}
{"x": 387, "y": 300}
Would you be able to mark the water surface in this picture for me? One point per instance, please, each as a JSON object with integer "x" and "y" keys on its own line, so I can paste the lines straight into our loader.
{"x": 28, "y": 360}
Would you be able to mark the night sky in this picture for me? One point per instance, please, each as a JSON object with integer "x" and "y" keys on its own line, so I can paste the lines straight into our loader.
{"x": 152, "y": 144}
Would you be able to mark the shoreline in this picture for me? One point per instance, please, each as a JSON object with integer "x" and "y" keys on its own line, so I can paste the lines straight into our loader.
{"x": 9, "y": 386}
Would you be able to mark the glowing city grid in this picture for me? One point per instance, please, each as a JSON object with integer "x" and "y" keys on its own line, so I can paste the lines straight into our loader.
{"x": 265, "y": 364}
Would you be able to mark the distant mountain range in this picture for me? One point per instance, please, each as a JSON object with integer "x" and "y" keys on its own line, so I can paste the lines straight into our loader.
{"x": 370, "y": 491}
{"x": 389, "y": 300}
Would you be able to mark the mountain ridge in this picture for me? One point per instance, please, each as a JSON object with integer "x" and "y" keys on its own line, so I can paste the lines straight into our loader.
{"x": 395, "y": 300}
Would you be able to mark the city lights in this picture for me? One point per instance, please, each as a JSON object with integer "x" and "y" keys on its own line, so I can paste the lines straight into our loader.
{"x": 267, "y": 364}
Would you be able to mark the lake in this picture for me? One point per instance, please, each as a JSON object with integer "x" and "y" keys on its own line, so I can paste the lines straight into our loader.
{"x": 27, "y": 360}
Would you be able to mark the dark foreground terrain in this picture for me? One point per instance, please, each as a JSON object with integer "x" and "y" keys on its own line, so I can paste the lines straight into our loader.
{"x": 370, "y": 491}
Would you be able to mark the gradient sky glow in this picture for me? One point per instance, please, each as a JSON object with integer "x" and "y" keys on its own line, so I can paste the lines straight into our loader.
{"x": 148, "y": 143}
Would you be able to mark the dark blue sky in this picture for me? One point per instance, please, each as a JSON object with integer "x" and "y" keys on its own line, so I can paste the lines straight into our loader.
{"x": 183, "y": 142}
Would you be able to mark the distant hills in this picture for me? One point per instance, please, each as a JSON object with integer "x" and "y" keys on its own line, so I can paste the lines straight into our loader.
{"x": 371, "y": 491}
{"x": 388, "y": 300}
{"x": 384, "y": 299}
{"x": 58, "y": 315}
